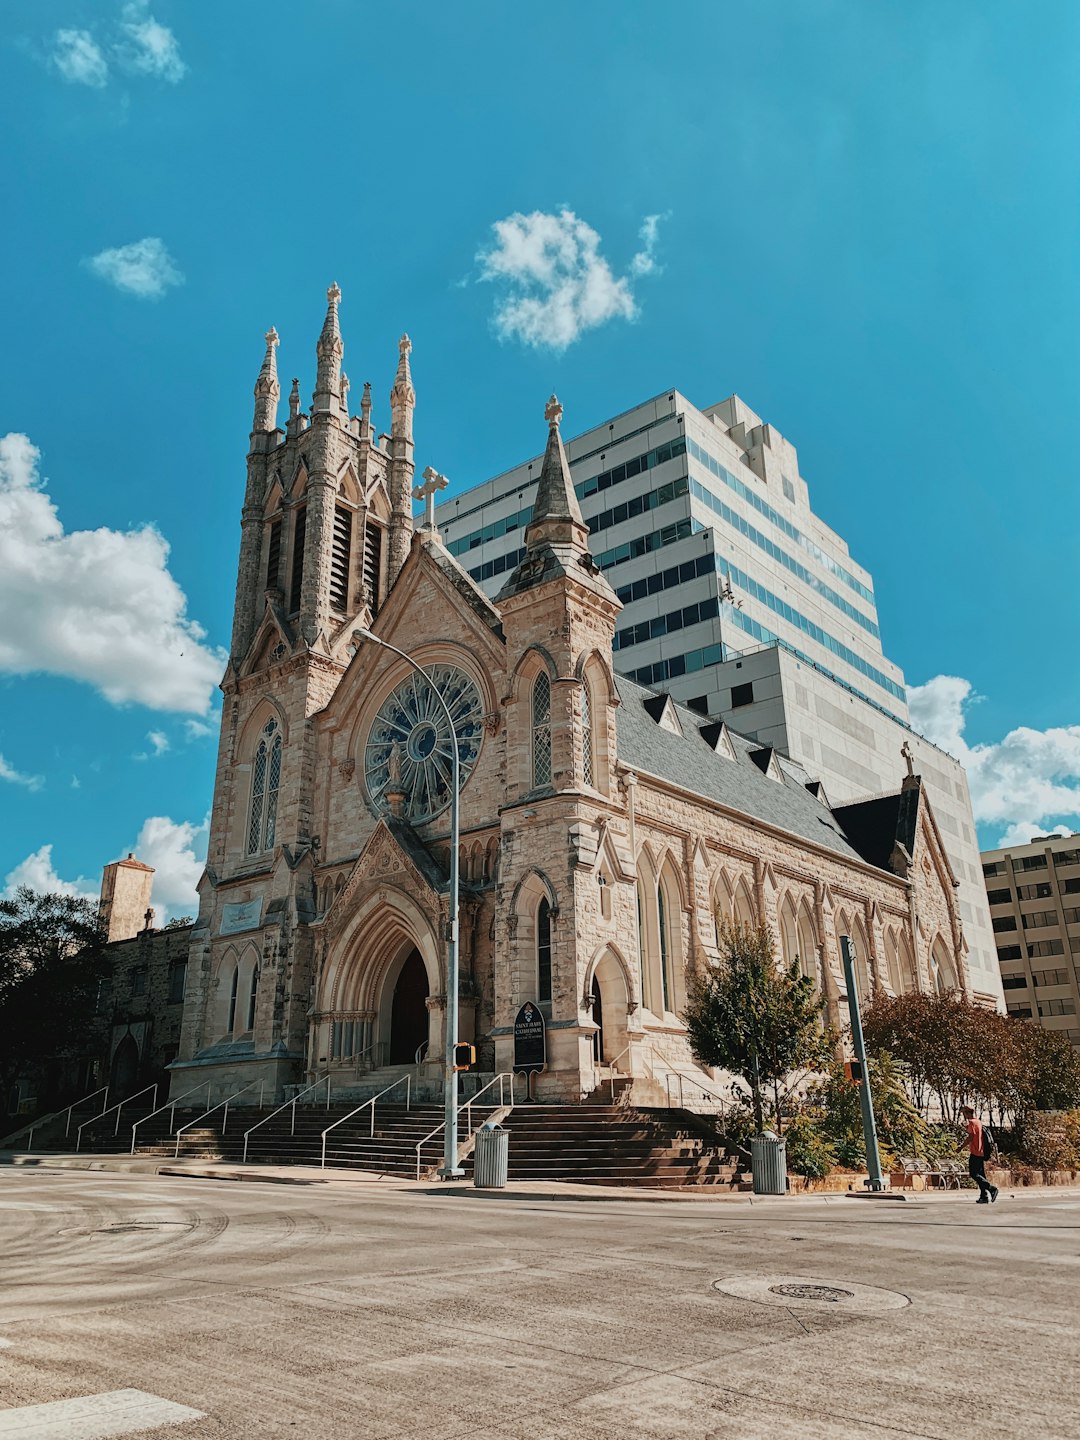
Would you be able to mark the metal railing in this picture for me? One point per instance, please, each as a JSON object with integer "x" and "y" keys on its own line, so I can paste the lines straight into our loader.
{"x": 421, "y": 1051}
{"x": 101, "y": 1090}
{"x": 671, "y": 1073}
{"x": 323, "y": 1079}
{"x": 613, "y": 1068}
{"x": 226, "y": 1102}
{"x": 169, "y": 1105}
{"x": 117, "y": 1107}
{"x": 407, "y": 1079}
{"x": 467, "y": 1105}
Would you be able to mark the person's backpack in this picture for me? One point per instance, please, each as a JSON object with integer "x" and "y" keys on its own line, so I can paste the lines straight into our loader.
{"x": 989, "y": 1143}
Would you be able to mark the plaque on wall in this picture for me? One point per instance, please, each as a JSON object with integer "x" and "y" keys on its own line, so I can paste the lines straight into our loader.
{"x": 240, "y": 915}
{"x": 530, "y": 1040}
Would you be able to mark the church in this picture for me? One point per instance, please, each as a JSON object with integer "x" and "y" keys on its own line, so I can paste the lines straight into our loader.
{"x": 605, "y": 831}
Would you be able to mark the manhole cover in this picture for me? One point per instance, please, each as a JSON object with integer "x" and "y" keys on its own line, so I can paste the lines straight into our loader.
{"x": 812, "y": 1292}
{"x": 808, "y": 1292}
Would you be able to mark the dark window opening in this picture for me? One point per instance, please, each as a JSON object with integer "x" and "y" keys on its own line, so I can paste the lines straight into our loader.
{"x": 742, "y": 694}
{"x": 273, "y": 556}
{"x": 299, "y": 534}
{"x": 340, "y": 559}
{"x": 543, "y": 953}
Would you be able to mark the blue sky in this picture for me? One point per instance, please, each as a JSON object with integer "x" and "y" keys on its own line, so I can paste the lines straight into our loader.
{"x": 868, "y": 223}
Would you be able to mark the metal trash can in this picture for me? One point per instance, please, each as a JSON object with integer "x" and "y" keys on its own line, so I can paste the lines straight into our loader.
{"x": 491, "y": 1157}
{"x": 768, "y": 1164}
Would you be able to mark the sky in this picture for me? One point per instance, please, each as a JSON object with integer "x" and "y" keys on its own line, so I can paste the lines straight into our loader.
{"x": 861, "y": 218}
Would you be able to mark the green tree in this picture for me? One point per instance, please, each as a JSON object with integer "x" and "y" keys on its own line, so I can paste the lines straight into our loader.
{"x": 52, "y": 957}
{"x": 755, "y": 1018}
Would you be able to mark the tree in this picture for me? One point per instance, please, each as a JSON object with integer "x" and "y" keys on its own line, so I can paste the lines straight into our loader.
{"x": 757, "y": 1019}
{"x": 958, "y": 1053}
{"x": 52, "y": 957}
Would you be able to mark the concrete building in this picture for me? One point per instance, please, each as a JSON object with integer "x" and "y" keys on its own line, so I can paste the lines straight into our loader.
{"x": 1034, "y": 896}
{"x": 739, "y": 602}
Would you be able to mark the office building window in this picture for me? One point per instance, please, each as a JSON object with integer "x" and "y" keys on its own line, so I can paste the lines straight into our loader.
{"x": 1002, "y": 897}
{"x": 742, "y": 694}
{"x": 1014, "y": 982}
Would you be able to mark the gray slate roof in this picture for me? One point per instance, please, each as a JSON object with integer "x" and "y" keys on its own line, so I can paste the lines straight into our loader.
{"x": 688, "y": 761}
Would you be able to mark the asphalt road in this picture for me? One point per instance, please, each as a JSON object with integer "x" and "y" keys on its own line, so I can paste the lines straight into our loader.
{"x": 328, "y": 1311}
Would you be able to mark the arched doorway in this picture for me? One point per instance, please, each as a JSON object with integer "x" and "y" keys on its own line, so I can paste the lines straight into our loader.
{"x": 408, "y": 1011}
{"x": 125, "y": 1068}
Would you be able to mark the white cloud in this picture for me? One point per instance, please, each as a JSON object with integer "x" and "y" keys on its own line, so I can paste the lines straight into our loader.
{"x": 79, "y": 58}
{"x": 177, "y": 851}
{"x": 159, "y": 740}
{"x": 94, "y": 605}
{"x": 150, "y": 48}
{"x": 37, "y": 871}
{"x": 16, "y": 777}
{"x": 200, "y": 729}
{"x": 554, "y": 282}
{"x": 1026, "y": 782}
{"x": 644, "y": 262}
{"x": 144, "y": 268}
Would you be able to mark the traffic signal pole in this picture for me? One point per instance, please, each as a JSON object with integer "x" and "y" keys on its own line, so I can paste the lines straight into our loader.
{"x": 866, "y": 1099}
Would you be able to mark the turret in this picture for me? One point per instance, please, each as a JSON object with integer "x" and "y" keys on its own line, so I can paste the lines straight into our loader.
{"x": 402, "y": 405}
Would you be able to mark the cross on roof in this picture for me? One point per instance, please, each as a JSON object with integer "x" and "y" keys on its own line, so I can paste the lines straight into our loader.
{"x": 433, "y": 482}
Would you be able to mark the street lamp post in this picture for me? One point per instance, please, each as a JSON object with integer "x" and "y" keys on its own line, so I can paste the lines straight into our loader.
{"x": 451, "y": 1170}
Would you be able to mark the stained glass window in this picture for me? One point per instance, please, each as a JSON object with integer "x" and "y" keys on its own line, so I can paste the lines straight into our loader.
{"x": 543, "y": 952}
{"x": 410, "y": 746}
{"x": 586, "y": 733}
{"x": 541, "y": 730}
{"x": 265, "y": 778}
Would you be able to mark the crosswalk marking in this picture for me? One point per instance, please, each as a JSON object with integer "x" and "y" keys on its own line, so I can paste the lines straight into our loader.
{"x": 93, "y": 1417}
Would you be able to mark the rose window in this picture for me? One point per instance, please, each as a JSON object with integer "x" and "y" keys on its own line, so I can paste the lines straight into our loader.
{"x": 410, "y": 748}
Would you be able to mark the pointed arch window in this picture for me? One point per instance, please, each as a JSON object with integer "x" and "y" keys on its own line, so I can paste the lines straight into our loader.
{"x": 253, "y": 995}
{"x": 273, "y": 556}
{"x": 232, "y": 999}
{"x": 341, "y": 559}
{"x": 296, "y": 585}
{"x": 265, "y": 782}
{"x": 543, "y": 953}
{"x": 541, "y": 730}
{"x": 665, "y": 946}
{"x": 586, "y": 734}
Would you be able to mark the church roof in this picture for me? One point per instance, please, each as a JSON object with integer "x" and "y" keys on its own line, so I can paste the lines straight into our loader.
{"x": 780, "y": 799}
{"x": 878, "y": 823}
{"x": 464, "y": 584}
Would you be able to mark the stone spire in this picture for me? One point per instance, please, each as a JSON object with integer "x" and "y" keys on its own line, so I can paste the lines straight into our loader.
{"x": 403, "y": 396}
{"x": 267, "y": 389}
{"x": 556, "y": 516}
{"x": 329, "y": 351}
{"x": 400, "y": 478}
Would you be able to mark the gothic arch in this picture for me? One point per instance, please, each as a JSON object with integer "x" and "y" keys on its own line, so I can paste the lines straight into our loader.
{"x": 298, "y": 484}
{"x": 609, "y": 976}
{"x": 348, "y": 486}
{"x": 670, "y": 900}
{"x": 847, "y": 923}
{"x": 532, "y": 661}
{"x": 267, "y": 709}
{"x": 788, "y": 923}
{"x": 893, "y": 967}
{"x": 232, "y": 987}
{"x": 594, "y": 664}
{"x": 743, "y": 907}
{"x": 809, "y": 944}
{"x": 942, "y": 970}
{"x": 533, "y": 882}
{"x": 370, "y": 951}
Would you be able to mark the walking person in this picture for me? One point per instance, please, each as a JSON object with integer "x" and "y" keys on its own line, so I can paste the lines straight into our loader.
{"x": 980, "y": 1147}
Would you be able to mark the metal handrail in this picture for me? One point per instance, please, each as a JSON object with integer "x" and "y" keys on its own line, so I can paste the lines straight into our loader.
{"x": 170, "y": 1105}
{"x": 467, "y": 1105}
{"x": 421, "y": 1051}
{"x": 408, "y": 1106}
{"x": 102, "y": 1089}
{"x": 117, "y": 1107}
{"x": 292, "y": 1102}
{"x": 611, "y": 1064}
{"x": 375, "y": 1044}
{"x": 226, "y": 1102}
{"x": 670, "y": 1070}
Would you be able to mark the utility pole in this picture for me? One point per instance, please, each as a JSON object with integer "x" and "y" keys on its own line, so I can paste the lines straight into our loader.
{"x": 873, "y": 1158}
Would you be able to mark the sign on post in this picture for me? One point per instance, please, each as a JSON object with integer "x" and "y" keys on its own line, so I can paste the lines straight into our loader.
{"x": 530, "y": 1042}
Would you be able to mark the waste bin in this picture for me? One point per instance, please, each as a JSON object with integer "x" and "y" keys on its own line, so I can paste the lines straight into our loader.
{"x": 768, "y": 1164}
{"x": 491, "y": 1157}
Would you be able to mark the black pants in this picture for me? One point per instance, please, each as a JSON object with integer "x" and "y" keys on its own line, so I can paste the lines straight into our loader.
{"x": 977, "y": 1171}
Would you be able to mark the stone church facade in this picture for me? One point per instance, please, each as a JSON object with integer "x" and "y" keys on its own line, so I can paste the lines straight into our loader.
{"x": 604, "y": 830}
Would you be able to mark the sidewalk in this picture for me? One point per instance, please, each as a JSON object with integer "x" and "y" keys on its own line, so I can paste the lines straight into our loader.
{"x": 369, "y": 1183}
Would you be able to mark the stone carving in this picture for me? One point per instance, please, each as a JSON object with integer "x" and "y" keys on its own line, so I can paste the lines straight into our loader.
{"x": 909, "y": 758}
{"x": 346, "y": 769}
